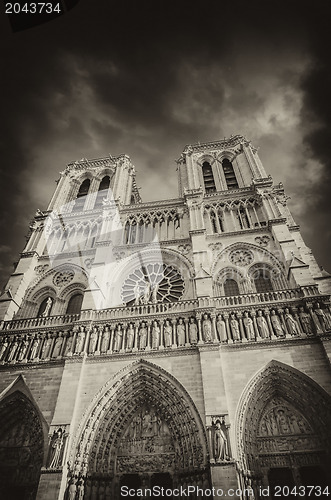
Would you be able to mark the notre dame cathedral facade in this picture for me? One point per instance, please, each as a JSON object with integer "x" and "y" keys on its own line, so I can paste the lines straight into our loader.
{"x": 184, "y": 342}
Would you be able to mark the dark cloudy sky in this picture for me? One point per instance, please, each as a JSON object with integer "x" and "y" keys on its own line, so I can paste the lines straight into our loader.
{"x": 148, "y": 77}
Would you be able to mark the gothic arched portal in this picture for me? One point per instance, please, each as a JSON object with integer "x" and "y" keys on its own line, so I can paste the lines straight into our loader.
{"x": 21, "y": 447}
{"x": 142, "y": 429}
{"x": 283, "y": 430}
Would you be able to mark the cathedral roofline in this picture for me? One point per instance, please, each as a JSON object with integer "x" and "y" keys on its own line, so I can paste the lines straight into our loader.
{"x": 219, "y": 144}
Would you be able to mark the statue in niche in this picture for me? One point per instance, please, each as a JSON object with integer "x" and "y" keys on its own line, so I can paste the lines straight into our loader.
{"x": 155, "y": 335}
{"x": 276, "y": 323}
{"x": 221, "y": 329}
{"x": 193, "y": 331}
{"x": 48, "y": 307}
{"x": 118, "y": 338}
{"x": 94, "y": 490}
{"x": 93, "y": 341}
{"x": 57, "y": 346}
{"x": 220, "y": 442}
{"x": 80, "y": 340}
{"x": 23, "y": 349}
{"x": 291, "y": 323}
{"x": 322, "y": 317}
{"x": 181, "y": 332}
{"x": 142, "y": 336}
{"x": 80, "y": 489}
{"x": 105, "y": 339}
{"x": 167, "y": 331}
{"x": 305, "y": 321}
{"x": 262, "y": 325}
{"x": 68, "y": 348}
{"x": 206, "y": 329}
{"x": 56, "y": 448}
{"x": 3, "y": 348}
{"x": 129, "y": 337}
{"x": 72, "y": 490}
{"x": 12, "y": 349}
{"x": 46, "y": 349}
{"x": 249, "y": 326}
{"x": 101, "y": 492}
{"x": 234, "y": 328}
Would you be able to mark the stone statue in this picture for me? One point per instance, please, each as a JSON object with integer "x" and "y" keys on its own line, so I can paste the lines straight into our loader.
{"x": 154, "y": 292}
{"x": 262, "y": 325}
{"x": 46, "y": 349}
{"x": 105, "y": 339}
{"x": 56, "y": 445}
{"x": 93, "y": 341}
{"x": 129, "y": 337}
{"x": 220, "y": 443}
{"x": 80, "y": 340}
{"x": 155, "y": 335}
{"x": 277, "y": 326}
{"x": 291, "y": 323}
{"x": 221, "y": 329}
{"x": 118, "y": 338}
{"x": 142, "y": 336}
{"x": 206, "y": 329}
{"x": 249, "y": 326}
{"x": 305, "y": 321}
{"x": 322, "y": 318}
{"x": 23, "y": 349}
{"x": 167, "y": 331}
{"x": 80, "y": 490}
{"x": 147, "y": 292}
{"x": 193, "y": 331}
{"x": 234, "y": 328}
{"x": 34, "y": 347}
{"x": 72, "y": 490}
{"x": 48, "y": 307}
{"x": 3, "y": 348}
{"x": 136, "y": 291}
{"x": 12, "y": 349}
{"x": 57, "y": 346}
{"x": 68, "y": 348}
{"x": 180, "y": 332}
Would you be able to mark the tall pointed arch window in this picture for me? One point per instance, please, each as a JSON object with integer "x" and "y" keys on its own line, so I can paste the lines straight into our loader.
{"x": 231, "y": 287}
{"x": 230, "y": 176}
{"x": 102, "y": 191}
{"x": 82, "y": 193}
{"x": 262, "y": 280}
{"x": 208, "y": 177}
{"x": 75, "y": 304}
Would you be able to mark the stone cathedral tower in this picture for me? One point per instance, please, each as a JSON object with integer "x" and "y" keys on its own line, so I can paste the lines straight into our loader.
{"x": 177, "y": 343}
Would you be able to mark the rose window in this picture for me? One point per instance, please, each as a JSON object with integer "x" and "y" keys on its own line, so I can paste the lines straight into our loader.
{"x": 153, "y": 283}
{"x": 241, "y": 257}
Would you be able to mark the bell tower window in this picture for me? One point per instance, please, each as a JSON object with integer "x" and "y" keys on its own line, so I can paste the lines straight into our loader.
{"x": 82, "y": 193}
{"x": 230, "y": 177}
{"x": 208, "y": 177}
{"x": 231, "y": 287}
{"x": 103, "y": 187}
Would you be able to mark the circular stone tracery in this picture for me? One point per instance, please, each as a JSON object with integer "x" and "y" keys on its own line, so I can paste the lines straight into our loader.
{"x": 154, "y": 282}
{"x": 63, "y": 277}
{"x": 241, "y": 257}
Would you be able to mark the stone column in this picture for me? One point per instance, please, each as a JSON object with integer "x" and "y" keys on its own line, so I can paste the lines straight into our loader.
{"x": 241, "y": 326}
{"x": 161, "y": 333}
{"x": 87, "y": 339}
{"x": 135, "y": 340}
{"x": 98, "y": 349}
{"x": 124, "y": 327}
{"x": 198, "y": 316}
{"x": 214, "y": 329}
{"x": 271, "y": 331}
{"x": 253, "y": 315}
{"x": 112, "y": 332}
{"x": 174, "y": 332}
{"x": 227, "y": 327}
{"x": 187, "y": 343}
{"x": 148, "y": 341}
{"x": 296, "y": 317}
{"x": 281, "y": 315}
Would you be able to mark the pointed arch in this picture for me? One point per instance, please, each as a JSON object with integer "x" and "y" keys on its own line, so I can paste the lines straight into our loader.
{"x": 106, "y": 421}
{"x": 23, "y": 441}
{"x": 300, "y": 396}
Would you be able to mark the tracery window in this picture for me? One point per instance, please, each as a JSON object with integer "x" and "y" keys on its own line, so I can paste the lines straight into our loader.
{"x": 262, "y": 280}
{"x": 103, "y": 187}
{"x": 82, "y": 193}
{"x": 75, "y": 304}
{"x": 230, "y": 177}
{"x": 208, "y": 177}
{"x": 231, "y": 287}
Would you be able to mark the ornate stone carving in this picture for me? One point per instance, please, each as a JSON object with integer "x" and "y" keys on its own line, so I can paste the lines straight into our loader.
{"x": 241, "y": 257}
{"x": 206, "y": 329}
{"x": 262, "y": 240}
{"x": 180, "y": 332}
{"x": 63, "y": 277}
{"x": 193, "y": 331}
{"x": 41, "y": 269}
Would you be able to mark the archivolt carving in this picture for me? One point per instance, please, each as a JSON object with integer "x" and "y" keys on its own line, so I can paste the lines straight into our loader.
{"x": 172, "y": 424}
{"x": 281, "y": 401}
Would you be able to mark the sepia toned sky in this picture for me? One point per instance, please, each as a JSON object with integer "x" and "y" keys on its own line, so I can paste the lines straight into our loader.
{"x": 146, "y": 78}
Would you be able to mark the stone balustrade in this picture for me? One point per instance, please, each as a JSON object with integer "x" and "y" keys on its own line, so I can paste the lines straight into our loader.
{"x": 41, "y": 322}
{"x": 167, "y": 330}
